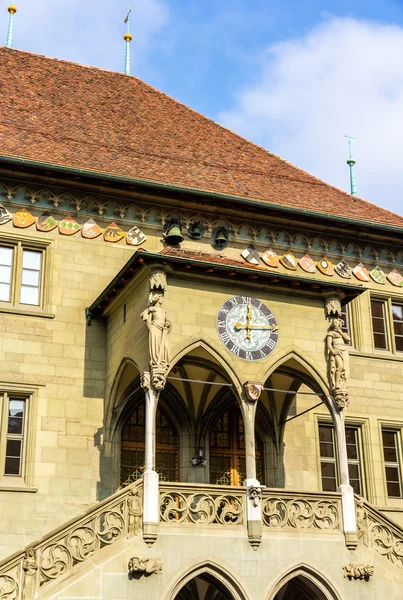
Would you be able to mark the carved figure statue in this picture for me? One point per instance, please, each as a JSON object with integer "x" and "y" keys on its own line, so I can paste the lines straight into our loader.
{"x": 134, "y": 512}
{"x": 352, "y": 571}
{"x": 338, "y": 357}
{"x": 255, "y": 495}
{"x": 362, "y": 521}
{"x": 30, "y": 567}
{"x": 147, "y": 566}
{"x": 158, "y": 328}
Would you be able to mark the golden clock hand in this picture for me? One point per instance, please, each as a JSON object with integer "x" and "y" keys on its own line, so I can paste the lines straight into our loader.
{"x": 248, "y": 320}
{"x": 238, "y": 326}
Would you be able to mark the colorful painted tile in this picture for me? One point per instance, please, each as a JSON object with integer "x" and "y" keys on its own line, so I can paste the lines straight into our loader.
{"x": 135, "y": 236}
{"x": 46, "y": 222}
{"x": 5, "y": 215}
{"x": 251, "y": 255}
{"x": 289, "y": 261}
{"x": 361, "y": 272}
{"x": 113, "y": 233}
{"x": 307, "y": 264}
{"x": 343, "y": 269}
{"x": 325, "y": 267}
{"x": 23, "y": 218}
{"x": 378, "y": 275}
{"x": 270, "y": 258}
{"x": 395, "y": 278}
{"x": 69, "y": 226}
{"x": 91, "y": 229}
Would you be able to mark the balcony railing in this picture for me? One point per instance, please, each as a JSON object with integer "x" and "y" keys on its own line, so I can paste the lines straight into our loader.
{"x": 202, "y": 504}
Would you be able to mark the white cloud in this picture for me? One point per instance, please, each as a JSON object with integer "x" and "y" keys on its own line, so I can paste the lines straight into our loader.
{"x": 345, "y": 76}
{"x": 89, "y": 32}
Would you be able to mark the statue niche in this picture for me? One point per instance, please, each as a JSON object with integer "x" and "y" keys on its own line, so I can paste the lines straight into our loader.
{"x": 338, "y": 362}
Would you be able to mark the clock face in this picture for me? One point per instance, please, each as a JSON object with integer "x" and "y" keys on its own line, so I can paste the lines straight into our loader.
{"x": 247, "y": 327}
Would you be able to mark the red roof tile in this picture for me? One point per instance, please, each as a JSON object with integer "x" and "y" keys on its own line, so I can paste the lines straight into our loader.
{"x": 75, "y": 116}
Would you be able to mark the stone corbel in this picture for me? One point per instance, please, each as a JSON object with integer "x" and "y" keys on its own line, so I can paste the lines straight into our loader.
{"x": 252, "y": 391}
{"x": 254, "y": 494}
{"x": 144, "y": 566}
{"x": 353, "y": 571}
{"x": 333, "y": 304}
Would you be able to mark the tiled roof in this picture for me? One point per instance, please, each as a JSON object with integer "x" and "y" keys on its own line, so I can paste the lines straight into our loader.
{"x": 71, "y": 115}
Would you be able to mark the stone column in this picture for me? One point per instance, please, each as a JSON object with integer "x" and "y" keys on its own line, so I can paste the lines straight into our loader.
{"x": 150, "y": 476}
{"x": 254, "y": 489}
{"x": 347, "y": 492}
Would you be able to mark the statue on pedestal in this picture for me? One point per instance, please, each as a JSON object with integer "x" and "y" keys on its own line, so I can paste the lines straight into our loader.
{"x": 337, "y": 350}
{"x": 158, "y": 328}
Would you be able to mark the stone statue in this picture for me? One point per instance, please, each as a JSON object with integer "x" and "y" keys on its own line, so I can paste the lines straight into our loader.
{"x": 338, "y": 357}
{"x": 158, "y": 329}
{"x": 147, "y": 566}
{"x": 30, "y": 567}
{"x": 352, "y": 571}
{"x": 134, "y": 512}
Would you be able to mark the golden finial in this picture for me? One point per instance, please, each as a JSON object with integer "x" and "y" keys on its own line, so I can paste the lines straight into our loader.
{"x": 127, "y": 37}
{"x": 12, "y": 9}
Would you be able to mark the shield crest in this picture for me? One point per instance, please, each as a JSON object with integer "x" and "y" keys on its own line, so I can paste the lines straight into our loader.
{"x": 5, "y": 215}
{"x": 270, "y": 258}
{"x": 251, "y": 255}
{"x": 46, "y": 222}
{"x": 343, "y": 269}
{"x": 135, "y": 236}
{"x": 395, "y": 278}
{"x": 361, "y": 272}
{"x": 289, "y": 261}
{"x": 23, "y": 218}
{"x": 325, "y": 267}
{"x": 91, "y": 230}
{"x": 69, "y": 226}
{"x": 113, "y": 233}
{"x": 378, "y": 275}
{"x": 307, "y": 264}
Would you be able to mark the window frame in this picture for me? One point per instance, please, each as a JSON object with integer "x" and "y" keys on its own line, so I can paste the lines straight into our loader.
{"x": 361, "y": 426}
{"x": 397, "y": 430}
{"x": 388, "y": 300}
{"x": 33, "y": 244}
{"x": 29, "y": 395}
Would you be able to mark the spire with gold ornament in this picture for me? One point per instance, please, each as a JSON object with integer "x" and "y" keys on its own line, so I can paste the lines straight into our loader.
{"x": 127, "y": 38}
{"x": 12, "y": 10}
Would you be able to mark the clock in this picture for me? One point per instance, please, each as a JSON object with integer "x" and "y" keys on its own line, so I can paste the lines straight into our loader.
{"x": 247, "y": 327}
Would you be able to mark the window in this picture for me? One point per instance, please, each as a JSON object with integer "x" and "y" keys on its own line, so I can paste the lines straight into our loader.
{"x": 16, "y": 439}
{"x": 379, "y": 324}
{"x": 346, "y": 318}
{"x": 328, "y": 459}
{"x": 392, "y": 463}
{"x": 397, "y": 317}
{"x": 21, "y": 275}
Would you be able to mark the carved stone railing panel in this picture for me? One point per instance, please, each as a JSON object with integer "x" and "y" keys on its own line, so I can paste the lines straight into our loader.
{"x": 202, "y": 505}
{"x": 301, "y": 510}
{"x": 55, "y": 554}
{"x": 378, "y": 532}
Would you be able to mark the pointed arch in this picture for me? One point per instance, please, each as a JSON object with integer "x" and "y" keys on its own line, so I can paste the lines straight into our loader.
{"x": 126, "y": 373}
{"x": 314, "y": 580}
{"x": 210, "y": 567}
{"x": 206, "y": 343}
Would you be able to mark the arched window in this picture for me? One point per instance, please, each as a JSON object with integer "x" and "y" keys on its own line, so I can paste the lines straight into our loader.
{"x": 204, "y": 587}
{"x": 227, "y": 450}
{"x": 132, "y": 447}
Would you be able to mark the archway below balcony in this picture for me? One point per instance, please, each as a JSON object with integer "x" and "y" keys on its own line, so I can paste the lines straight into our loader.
{"x": 204, "y": 587}
{"x": 303, "y": 582}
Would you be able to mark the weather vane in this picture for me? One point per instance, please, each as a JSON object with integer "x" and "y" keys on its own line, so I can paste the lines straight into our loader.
{"x": 128, "y": 38}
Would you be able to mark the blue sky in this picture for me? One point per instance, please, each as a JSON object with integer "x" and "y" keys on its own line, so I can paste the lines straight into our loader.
{"x": 294, "y": 75}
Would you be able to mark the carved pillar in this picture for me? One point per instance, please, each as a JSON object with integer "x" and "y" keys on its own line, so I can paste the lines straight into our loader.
{"x": 150, "y": 476}
{"x": 153, "y": 382}
{"x": 252, "y": 393}
{"x": 338, "y": 375}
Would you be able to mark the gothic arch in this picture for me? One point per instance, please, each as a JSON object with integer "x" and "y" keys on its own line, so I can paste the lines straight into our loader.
{"x": 127, "y": 368}
{"x": 207, "y": 344}
{"x": 217, "y": 571}
{"x": 314, "y": 580}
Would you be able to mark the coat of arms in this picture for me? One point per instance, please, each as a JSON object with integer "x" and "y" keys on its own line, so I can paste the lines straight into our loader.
{"x": 289, "y": 261}
{"x": 113, "y": 233}
{"x": 307, "y": 264}
{"x": 91, "y": 230}
{"x": 343, "y": 269}
{"x": 325, "y": 267}
{"x": 5, "y": 215}
{"x": 395, "y": 278}
{"x": 23, "y": 219}
{"x": 135, "y": 236}
{"x": 69, "y": 226}
{"x": 361, "y": 272}
{"x": 378, "y": 275}
{"x": 251, "y": 255}
{"x": 46, "y": 222}
{"x": 270, "y": 258}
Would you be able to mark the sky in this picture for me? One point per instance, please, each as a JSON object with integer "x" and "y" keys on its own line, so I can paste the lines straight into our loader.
{"x": 294, "y": 76}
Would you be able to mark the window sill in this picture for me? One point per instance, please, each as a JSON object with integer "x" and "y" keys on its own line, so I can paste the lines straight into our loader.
{"x": 378, "y": 355}
{"x": 27, "y": 312}
{"x": 8, "y": 484}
